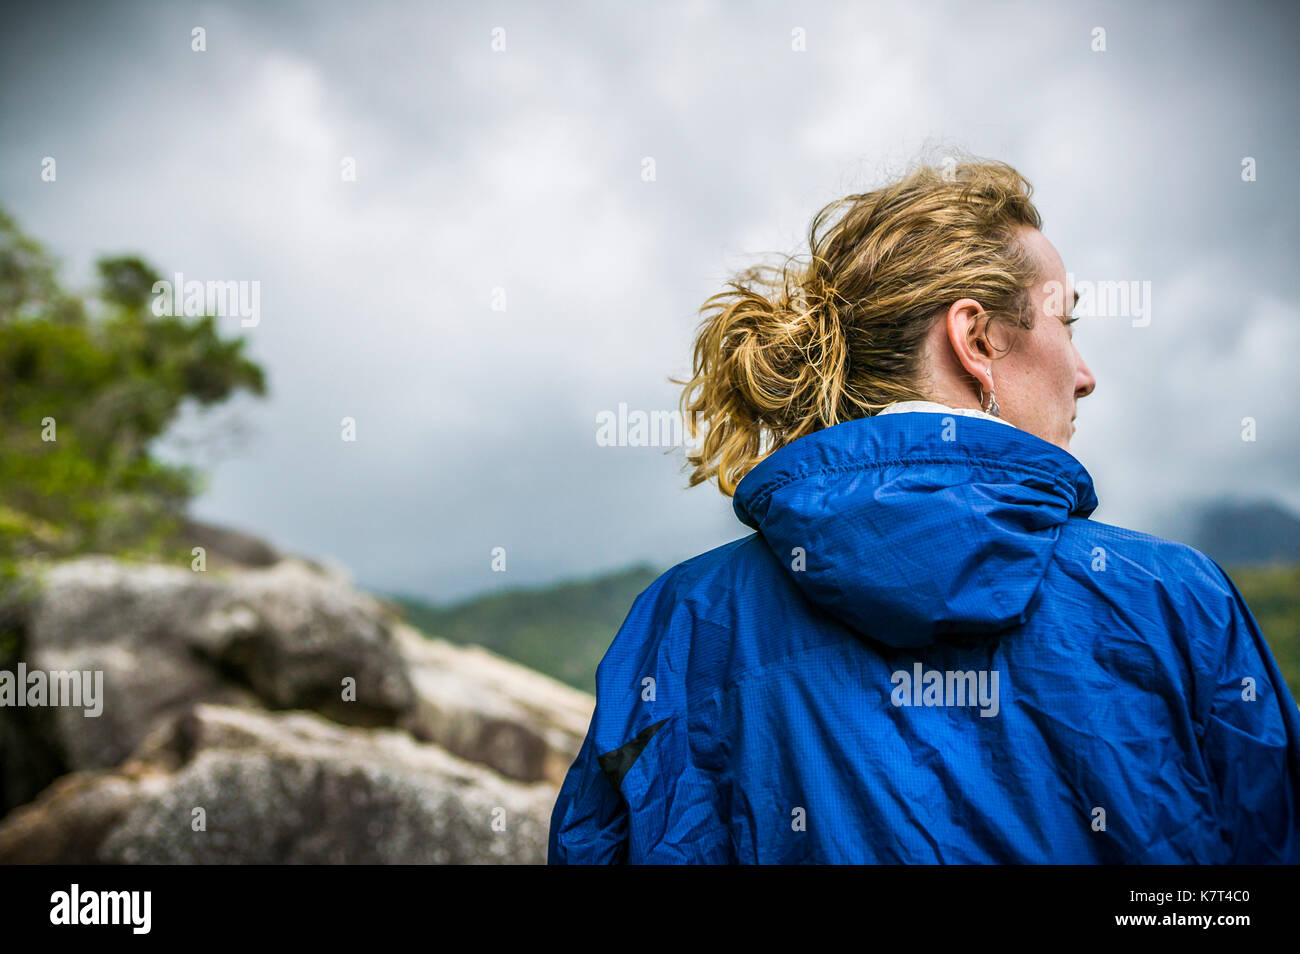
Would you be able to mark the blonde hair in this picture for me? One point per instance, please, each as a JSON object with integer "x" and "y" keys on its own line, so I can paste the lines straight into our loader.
{"x": 787, "y": 351}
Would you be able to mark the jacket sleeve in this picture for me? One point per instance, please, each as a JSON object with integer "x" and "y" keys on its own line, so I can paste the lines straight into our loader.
{"x": 1251, "y": 745}
{"x": 589, "y": 824}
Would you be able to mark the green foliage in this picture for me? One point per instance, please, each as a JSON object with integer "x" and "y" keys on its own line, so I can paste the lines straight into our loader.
{"x": 86, "y": 385}
{"x": 1273, "y": 595}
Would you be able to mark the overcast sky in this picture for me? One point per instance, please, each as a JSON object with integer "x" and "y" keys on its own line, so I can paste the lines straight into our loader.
{"x": 521, "y": 169}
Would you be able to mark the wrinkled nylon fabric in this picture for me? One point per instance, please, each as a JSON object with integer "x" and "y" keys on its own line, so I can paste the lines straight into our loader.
{"x": 925, "y": 542}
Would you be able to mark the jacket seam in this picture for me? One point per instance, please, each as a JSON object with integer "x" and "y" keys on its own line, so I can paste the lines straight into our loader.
{"x": 767, "y": 491}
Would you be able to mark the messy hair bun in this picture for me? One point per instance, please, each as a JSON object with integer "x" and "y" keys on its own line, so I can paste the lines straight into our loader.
{"x": 785, "y": 351}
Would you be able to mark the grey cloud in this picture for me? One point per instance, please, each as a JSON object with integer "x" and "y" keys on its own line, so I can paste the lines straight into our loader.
{"x": 476, "y": 428}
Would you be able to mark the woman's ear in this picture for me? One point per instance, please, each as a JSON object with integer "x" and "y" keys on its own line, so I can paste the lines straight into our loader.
{"x": 967, "y": 326}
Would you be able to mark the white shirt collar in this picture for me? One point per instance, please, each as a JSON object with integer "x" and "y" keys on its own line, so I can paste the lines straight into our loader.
{"x": 932, "y": 407}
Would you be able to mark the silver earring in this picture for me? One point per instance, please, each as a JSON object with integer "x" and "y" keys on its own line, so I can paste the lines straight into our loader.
{"x": 993, "y": 404}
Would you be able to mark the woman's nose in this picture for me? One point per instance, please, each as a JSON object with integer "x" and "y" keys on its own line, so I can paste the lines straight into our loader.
{"x": 1084, "y": 383}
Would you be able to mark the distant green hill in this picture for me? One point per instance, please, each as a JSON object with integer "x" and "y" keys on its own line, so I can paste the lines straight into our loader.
{"x": 564, "y": 630}
{"x": 1273, "y": 595}
{"x": 561, "y": 630}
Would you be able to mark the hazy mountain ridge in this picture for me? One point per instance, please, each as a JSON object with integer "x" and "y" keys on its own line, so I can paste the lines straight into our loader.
{"x": 560, "y": 630}
{"x": 1246, "y": 532}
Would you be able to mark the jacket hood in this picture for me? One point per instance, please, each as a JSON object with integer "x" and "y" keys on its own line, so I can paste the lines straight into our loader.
{"x": 909, "y": 526}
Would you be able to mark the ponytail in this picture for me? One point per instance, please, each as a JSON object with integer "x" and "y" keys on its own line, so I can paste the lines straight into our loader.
{"x": 783, "y": 352}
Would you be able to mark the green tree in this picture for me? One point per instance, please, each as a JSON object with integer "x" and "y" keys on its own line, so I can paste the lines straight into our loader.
{"x": 87, "y": 383}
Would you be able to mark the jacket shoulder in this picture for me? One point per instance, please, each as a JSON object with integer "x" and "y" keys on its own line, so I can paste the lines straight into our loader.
{"x": 654, "y": 635}
{"x": 697, "y": 593}
{"x": 1182, "y": 592}
{"x": 1168, "y": 565}
{"x": 697, "y": 628}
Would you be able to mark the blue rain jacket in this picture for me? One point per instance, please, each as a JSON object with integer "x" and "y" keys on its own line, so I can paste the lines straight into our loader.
{"x": 927, "y": 653}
